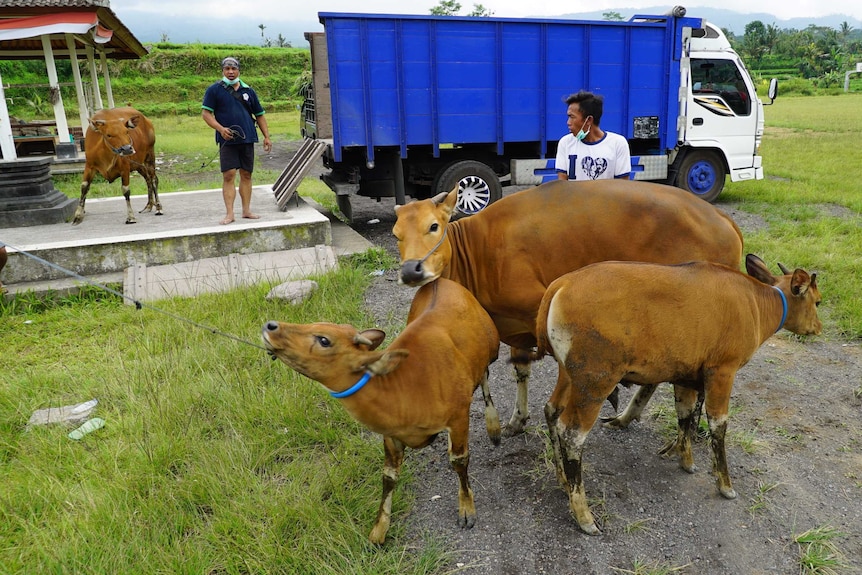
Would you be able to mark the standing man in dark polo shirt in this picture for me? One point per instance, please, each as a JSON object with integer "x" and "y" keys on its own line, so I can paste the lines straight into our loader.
{"x": 231, "y": 107}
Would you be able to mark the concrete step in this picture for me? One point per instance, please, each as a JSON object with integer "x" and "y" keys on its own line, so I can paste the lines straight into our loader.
{"x": 102, "y": 248}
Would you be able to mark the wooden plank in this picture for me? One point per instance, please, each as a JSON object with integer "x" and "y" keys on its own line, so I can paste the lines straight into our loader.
{"x": 290, "y": 178}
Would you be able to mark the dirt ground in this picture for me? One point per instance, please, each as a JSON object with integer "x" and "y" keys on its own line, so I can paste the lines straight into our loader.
{"x": 794, "y": 454}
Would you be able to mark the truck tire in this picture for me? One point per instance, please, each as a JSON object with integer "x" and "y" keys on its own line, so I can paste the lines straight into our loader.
{"x": 478, "y": 185}
{"x": 702, "y": 173}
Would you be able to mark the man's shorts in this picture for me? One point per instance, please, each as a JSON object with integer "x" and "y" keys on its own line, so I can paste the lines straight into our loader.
{"x": 233, "y": 156}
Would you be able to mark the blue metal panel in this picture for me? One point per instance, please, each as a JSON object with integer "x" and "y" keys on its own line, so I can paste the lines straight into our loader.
{"x": 404, "y": 80}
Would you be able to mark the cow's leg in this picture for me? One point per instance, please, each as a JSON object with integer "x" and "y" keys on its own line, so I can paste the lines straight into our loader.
{"x": 521, "y": 413}
{"x": 717, "y": 386}
{"x": 148, "y": 171}
{"x": 568, "y": 445}
{"x": 492, "y": 418}
{"x": 459, "y": 458}
{"x": 127, "y": 193}
{"x": 685, "y": 401}
{"x": 86, "y": 180}
{"x": 394, "y": 458}
{"x": 570, "y": 414}
{"x": 633, "y": 410}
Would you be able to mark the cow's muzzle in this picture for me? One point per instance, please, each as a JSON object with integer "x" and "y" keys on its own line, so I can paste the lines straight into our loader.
{"x": 125, "y": 151}
{"x": 412, "y": 273}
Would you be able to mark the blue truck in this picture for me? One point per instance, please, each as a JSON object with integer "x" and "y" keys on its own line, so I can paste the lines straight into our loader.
{"x": 411, "y": 105}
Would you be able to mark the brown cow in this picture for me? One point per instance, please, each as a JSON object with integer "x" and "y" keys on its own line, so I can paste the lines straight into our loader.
{"x": 511, "y": 251}
{"x": 693, "y": 325}
{"x": 422, "y": 384}
{"x": 118, "y": 141}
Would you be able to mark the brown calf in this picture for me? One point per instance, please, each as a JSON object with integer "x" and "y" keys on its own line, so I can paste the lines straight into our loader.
{"x": 119, "y": 141}
{"x": 422, "y": 384}
{"x": 693, "y": 325}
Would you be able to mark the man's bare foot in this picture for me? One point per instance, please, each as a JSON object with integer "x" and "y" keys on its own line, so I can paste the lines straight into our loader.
{"x": 251, "y": 216}
{"x": 227, "y": 220}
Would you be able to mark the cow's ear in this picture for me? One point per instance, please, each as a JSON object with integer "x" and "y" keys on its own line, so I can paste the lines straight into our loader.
{"x": 439, "y": 198}
{"x": 452, "y": 199}
{"x": 388, "y": 361}
{"x": 96, "y": 124}
{"x": 133, "y": 122}
{"x": 799, "y": 282}
{"x": 371, "y": 338}
{"x": 758, "y": 270}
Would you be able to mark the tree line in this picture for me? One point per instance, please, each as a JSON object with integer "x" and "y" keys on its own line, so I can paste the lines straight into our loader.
{"x": 819, "y": 53}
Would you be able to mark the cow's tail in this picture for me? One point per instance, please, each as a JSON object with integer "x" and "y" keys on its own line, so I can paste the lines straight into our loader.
{"x": 543, "y": 344}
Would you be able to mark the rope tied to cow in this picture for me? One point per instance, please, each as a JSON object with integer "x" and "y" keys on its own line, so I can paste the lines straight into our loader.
{"x": 434, "y": 249}
{"x": 138, "y": 303}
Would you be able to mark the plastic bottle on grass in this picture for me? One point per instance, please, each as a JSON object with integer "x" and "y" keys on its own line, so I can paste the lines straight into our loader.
{"x": 89, "y": 426}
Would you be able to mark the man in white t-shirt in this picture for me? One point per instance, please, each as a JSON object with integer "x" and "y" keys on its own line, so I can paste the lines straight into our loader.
{"x": 588, "y": 152}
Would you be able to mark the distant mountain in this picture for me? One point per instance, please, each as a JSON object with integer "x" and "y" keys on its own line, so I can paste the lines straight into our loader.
{"x": 149, "y": 28}
{"x": 733, "y": 21}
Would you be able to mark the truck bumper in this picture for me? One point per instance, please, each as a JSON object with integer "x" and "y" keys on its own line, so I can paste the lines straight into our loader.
{"x": 338, "y": 185}
{"x": 746, "y": 174}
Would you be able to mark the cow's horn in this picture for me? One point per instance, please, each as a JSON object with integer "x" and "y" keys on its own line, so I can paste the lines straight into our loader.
{"x": 358, "y": 338}
{"x": 783, "y": 269}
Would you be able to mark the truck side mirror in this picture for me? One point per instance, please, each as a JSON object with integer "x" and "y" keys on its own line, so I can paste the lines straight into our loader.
{"x": 773, "y": 90}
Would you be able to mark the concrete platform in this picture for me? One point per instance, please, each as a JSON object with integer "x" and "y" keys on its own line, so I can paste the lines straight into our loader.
{"x": 103, "y": 246}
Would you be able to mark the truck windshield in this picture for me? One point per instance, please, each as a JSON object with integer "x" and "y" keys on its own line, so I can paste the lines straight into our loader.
{"x": 722, "y": 78}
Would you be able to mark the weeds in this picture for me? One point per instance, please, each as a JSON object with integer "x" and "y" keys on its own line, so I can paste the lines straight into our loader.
{"x": 656, "y": 568}
{"x": 759, "y": 502}
{"x": 818, "y": 554}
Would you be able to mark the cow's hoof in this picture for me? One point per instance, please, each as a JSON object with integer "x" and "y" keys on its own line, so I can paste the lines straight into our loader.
{"x": 591, "y": 529}
{"x": 727, "y": 492}
{"x": 615, "y": 422}
{"x": 466, "y": 521}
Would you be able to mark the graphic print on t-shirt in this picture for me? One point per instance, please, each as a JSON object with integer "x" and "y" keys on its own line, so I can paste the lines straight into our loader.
{"x": 594, "y": 167}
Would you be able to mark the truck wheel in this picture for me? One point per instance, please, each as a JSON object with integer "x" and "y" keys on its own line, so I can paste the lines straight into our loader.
{"x": 478, "y": 185}
{"x": 702, "y": 174}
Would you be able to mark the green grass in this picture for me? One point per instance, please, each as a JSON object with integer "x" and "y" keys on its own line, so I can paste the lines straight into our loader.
{"x": 818, "y": 554}
{"x": 214, "y": 458}
{"x": 811, "y": 200}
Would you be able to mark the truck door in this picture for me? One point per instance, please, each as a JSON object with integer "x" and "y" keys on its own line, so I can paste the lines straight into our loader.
{"x": 722, "y": 110}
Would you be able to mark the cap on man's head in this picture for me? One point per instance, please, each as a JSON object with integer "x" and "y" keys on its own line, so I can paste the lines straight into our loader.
{"x": 230, "y": 61}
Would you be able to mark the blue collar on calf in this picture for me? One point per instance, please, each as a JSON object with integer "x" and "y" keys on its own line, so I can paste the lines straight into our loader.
{"x": 783, "y": 305}
{"x": 361, "y": 383}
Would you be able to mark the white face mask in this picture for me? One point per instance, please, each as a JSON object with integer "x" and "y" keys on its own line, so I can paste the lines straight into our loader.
{"x": 229, "y": 82}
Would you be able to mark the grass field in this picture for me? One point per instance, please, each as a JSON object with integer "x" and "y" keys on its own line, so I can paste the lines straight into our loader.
{"x": 214, "y": 460}
{"x": 811, "y": 199}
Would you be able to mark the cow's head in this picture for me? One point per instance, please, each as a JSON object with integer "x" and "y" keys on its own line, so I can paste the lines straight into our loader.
{"x": 116, "y": 134}
{"x": 420, "y": 228}
{"x": 327, "y": 351}
{"x": 799, "y": 289}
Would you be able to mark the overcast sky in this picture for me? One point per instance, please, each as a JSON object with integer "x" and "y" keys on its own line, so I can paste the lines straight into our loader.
{"x": 306, "y": 10}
